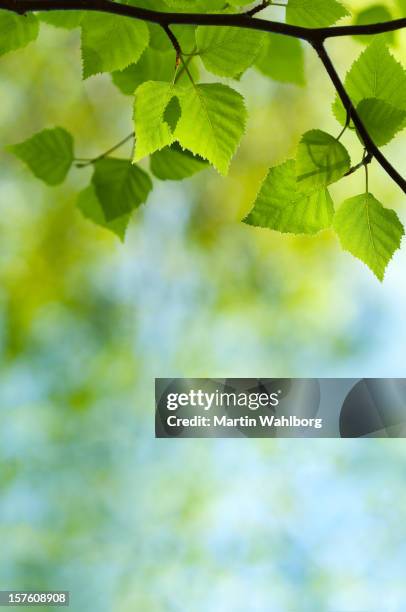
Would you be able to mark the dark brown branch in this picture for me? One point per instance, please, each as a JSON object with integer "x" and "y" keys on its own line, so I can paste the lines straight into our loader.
{"x": 369, "y": 144}
{"x": 240, "y": 20}
{"x": 175, "y": 43}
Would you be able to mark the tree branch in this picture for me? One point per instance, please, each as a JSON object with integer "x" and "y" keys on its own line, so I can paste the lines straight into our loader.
{"x": 314, "y": 36}
{"x": 240, "y": 20}
{"x": 369, "y": 144}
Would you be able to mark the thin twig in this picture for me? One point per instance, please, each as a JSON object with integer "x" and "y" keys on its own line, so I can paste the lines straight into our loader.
{"x": 367, "y": 158}
{"x": 261, "y": 7}
{"x": 89, "y": 162}
{"x": 346, "y": 124}
{"x": 257, "y": 9}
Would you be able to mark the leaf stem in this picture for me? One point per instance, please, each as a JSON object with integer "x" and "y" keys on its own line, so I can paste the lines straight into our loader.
{"x": 366, "y": 160}
{"x": 347, "y": 123}
{"x": 264, "y": 4}
{"x": 179, "y": 54}
{"x": 186, "y": 68}
{"x": 366, "y": 179}
{"x": 185, "y": 64}
{"x": 83, "y": 163}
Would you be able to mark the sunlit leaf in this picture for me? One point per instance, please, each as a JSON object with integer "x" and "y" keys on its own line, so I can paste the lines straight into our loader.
{"x": 314, "y": 13}
{"x": 382, "y": 120}
{"x": 152, "y": 131}
{"x": 375, "y": 74}
{"x": 369, "y": 231}
{"x": 16, "y": 31}
{"x": 227, "y": 51}
{"x": 281, "y": 206}
{"x": 195, "y": 5}
{"x": 212, "y": 122}
{"x": 111, "y": 42}
{"x": 378, "y": 13}
{"x": 68, "y": 20}
{"x": 282, "y": 59}
{"x": 321, "y": 160}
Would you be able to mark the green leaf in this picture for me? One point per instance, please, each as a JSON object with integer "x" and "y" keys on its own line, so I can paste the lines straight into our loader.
{"x": 152, "y": 131}
{"x": 382, "y": 120}
{"x": 48, "y": 154}
{"x": 369, "y": 231}
{"x": 321, "y": 160}
{"x": 16, "y": 31}
{"x": 239, "y": 3}
{"x": 228, "y": 51}
{"x": 120, "y": 186}
{"x": 91, "y": 209}
{"x": 69, "y": 20}
{"x": 377, "y": 13}
{"x": 402, "y": 7}
{"x": 282, "y": 207}
{"x": 194, "y": 6}
{"x": 282, "y": 59}
{"x": 175, "y": 164}
{"x": 111, "y": 42}
{"x": 156, "y": 5}
{"x": 375, "y": 74}
{"x": 314, "y": 13}
{"x": 212, "y": 122}
{"x": 153, "y": 66}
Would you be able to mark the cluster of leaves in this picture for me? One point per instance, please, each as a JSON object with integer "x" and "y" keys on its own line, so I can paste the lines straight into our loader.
{"x": 184, "y": 125}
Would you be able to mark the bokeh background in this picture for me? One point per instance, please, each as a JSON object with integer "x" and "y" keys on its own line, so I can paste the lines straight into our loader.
{"x": 89, "y": 500}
